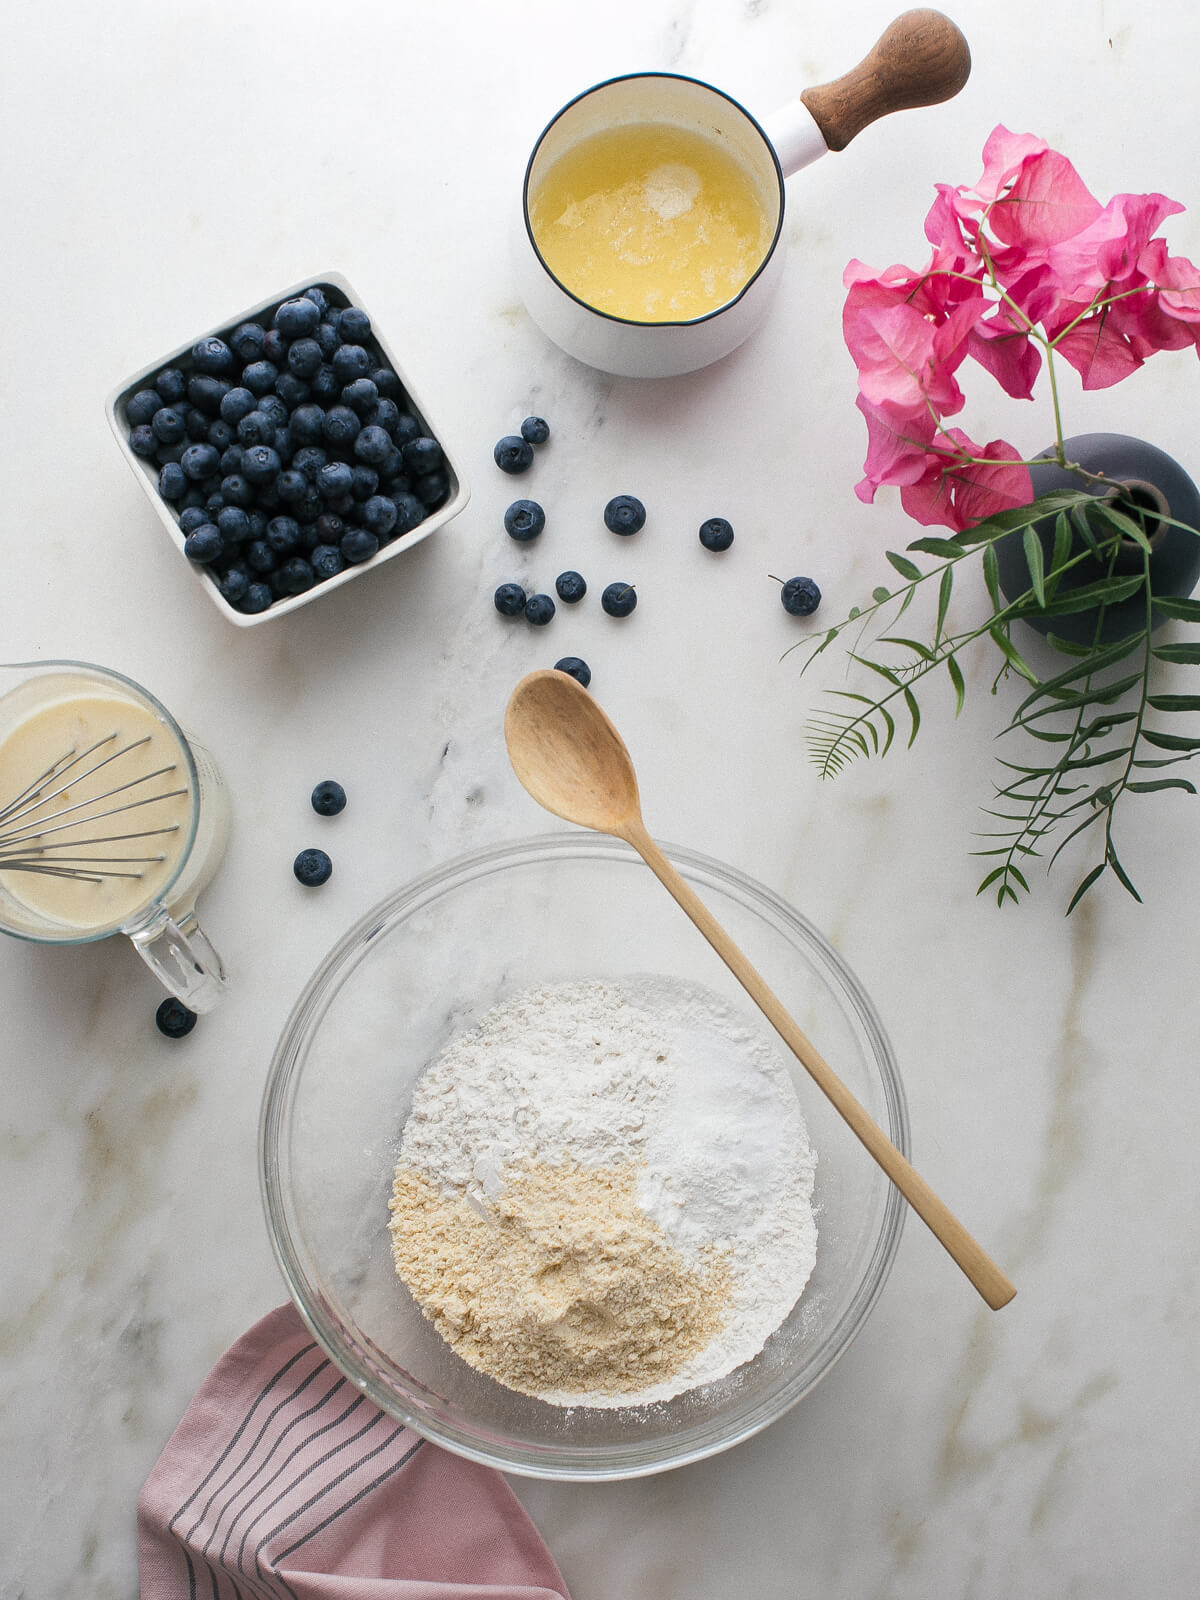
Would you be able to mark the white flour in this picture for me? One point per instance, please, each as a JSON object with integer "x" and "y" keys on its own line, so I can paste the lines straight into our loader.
{"x": 655, "y": 1072}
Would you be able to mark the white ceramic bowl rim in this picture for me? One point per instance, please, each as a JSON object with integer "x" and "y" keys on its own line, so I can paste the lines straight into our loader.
{"x": 633, "y": 322}
{"x": 353, "y": 1356}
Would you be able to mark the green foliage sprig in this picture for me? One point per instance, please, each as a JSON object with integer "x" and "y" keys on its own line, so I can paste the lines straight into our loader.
{"x": 1106, "y": 731}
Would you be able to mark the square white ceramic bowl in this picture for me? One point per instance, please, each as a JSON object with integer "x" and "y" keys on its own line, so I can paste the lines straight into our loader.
{"x": 146, "y": 472}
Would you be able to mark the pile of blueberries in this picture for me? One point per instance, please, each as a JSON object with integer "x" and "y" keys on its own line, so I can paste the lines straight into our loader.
{"x": 288, "y": 450}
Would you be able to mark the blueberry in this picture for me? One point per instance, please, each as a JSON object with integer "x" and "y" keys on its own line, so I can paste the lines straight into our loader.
{"x": 341, "y": 427}
{"x": 431, "y": 488}
{"x": 291, "y": 486}
{"x": 260, "y": 556}
{"x": 539, "y": 608}
{"x": 380, "y": 515}
{"x": 259, "y": 463}
{"x": 373, "y": 445}
{"x": 328, "y": 798}
{"x": 624, "y": 514}
{"x": 535, "y": 430}
{"x": 273, "y": 407}
{"x": 513, "y": 454}
{"x": 365, "y": 482}
{"x": 309, "y": 460}
{"x": 297, "y": 319}
{"x": 800, "y": 597}
{"x": 509, "y": 599}
{"x": 307, "y": 424}
{"x": 326, "y": 561}
{"x": 295, "y": 576}
{"x": 194, "y": 500}
{"x": 359, "y": 544}
{"x": 383, "y": 414}
{"x": 327, "y": 337}
{"x": 570, "y": 587}
{"x": 234, "y": 584}
{"x": 361, "y": 396}
{"x": 246, "y": 341}
{"x": 318, "y": 297}
{"x": 292, "y": 390}
{"x": 191, "y": 518}
{"x": 231, "y": 460}
{"x": 329, "y": 529}
{"x": 422, "y": 454}
{"x": 354, "y": 325}
{"x": 169, "y": 425}
{"x": 407, "y": 427}
{"x": 168, "y": 452}
{"x": 304, "y": 358}
{"x": 312, "y": 868}
{"x": 206, "y": 392}
{"x": 256, "y": 598}
{"x": 172, "y": 481}
{"x": 174, "y": 1019}
{"x": 259, "y": 377}
{"x": 233, "y": 523}
{"x": 274, "y": 347}
{"x": 220, "y": 434}
{"x": 213, "y": 356}
{"x": 195, "y": 424}
{"x": 716, "y": 534}
{"x": 144, "y": 404}
{"x": 524, "y": 520}
{"x": 409, "y": 512}
{"x": 237, "y": 490}
{"x": 335, "y": 478}
{"x": 255, "y": 428}
{"x": 575, "y": 668}
{"x": 205, "y": 545}
{"x": 281, "y": 442}
{"x": 200, "y": 461}
{"x": 142, "y": 440}
{"x": 283, "y": 535}
{"x": 172, "y": 385}
{"x": 326, "y": 386}
{"x": 350, "y": 361}
{"x": 619, "y": 599}
{"x": 388, "y": 384}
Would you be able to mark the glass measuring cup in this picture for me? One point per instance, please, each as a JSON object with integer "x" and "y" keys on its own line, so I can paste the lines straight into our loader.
{"x": 112, "y": 820}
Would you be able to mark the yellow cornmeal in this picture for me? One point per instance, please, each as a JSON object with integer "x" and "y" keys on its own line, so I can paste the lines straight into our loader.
{"x": 564, "y": 1286}
{"x": 650, "y": 222}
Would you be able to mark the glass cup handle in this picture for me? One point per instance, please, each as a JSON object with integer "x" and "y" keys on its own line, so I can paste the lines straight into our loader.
{"x": 179, "y": 954}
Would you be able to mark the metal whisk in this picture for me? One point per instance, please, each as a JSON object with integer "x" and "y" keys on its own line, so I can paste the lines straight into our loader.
{"x": 27, "y": 827}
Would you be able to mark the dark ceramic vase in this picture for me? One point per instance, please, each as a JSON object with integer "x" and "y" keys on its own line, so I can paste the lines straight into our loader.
{"x": 1146, "y": 481}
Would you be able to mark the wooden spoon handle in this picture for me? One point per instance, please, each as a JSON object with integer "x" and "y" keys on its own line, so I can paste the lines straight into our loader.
{"x": 974, "y": 1261}
{"x": 920, "y": 60}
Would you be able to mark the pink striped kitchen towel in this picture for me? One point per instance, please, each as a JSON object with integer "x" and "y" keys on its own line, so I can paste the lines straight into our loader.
{"x": 283, "y": 1482}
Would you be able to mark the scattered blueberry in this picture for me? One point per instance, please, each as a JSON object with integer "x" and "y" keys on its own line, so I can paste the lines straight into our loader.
{"x": 510, "y": 599}
{"x": 524, "y": 520}
{"x": 619, "y": 599}
{"x": 312, "y": 867}
{"x": 539, "y": 608}
{"x": 575, "y": 668}
{"x": 624, "y": 514}
{"x": 174, "y": 1019}
{"x": 570, "y": 587}
{"x": 513, "y": 454}
{"x": 716, "y": 534}
{"x": 328, "y": 798}
{"x": 535, "y": 430}
{"x": 800, "y": 597}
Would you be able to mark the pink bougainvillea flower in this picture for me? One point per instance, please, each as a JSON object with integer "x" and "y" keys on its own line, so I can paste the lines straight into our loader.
{"x": 997, "y": 483}
{"x": 897, "y": 448}
{"x": 906, "y": 356}
{"x": 1046, "y": 202}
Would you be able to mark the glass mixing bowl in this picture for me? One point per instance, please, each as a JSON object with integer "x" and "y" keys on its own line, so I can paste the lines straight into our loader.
{"x": 424, "y": 965}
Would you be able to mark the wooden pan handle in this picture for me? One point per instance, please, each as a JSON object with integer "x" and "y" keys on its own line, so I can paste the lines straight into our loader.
{"x": 921, "y": 60}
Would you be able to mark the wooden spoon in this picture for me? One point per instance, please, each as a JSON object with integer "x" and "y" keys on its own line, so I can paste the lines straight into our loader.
{"x": 573, "y": 762}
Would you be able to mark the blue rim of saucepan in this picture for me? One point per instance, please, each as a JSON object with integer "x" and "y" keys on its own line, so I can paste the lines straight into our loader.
{"x": 632, "y": 322}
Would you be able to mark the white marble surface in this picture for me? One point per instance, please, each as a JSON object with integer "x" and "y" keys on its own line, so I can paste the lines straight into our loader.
{"x": 166, "y": 167}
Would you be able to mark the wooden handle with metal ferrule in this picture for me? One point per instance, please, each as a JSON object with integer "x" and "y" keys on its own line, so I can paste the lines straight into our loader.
{"x": 921, "y": 60}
